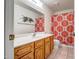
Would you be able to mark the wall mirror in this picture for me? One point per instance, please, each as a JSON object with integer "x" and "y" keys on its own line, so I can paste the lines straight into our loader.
{"x": 26, "y": 18}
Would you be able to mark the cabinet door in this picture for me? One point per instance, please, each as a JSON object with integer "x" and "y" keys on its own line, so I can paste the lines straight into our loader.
{"x": 28, "y": 56}
{"x": 39, "y": 53}
{"x": 52, "y": 42}
{"x": 47, "y": 50}
{"x": 39, "y": 43}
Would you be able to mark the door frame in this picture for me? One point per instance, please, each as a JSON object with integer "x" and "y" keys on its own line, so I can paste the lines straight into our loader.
{"x": 8, "y": 28}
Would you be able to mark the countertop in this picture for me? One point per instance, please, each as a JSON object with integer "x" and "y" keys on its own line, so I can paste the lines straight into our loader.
{"x": 28, "y": 39}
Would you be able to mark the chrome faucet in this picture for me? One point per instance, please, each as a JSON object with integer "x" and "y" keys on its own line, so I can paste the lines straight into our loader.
{"x": 34, "y": 34}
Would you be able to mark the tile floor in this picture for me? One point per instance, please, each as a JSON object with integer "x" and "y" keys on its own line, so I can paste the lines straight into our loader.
{"x": 63, "y": 52}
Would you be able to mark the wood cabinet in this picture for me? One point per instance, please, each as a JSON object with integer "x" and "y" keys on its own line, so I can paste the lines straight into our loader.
{"x": 39, "y": 49}
{"x": 47, "y": 47}
{"x": 39, "y": 43}
{"x": 28, "y": 56}
{"x": 23, "y": 51}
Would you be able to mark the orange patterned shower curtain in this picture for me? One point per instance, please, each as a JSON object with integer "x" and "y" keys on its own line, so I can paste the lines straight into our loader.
{"x": 63, "y": 27}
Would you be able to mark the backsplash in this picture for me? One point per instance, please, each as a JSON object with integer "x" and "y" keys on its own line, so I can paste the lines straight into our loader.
{"x": 63, "y": 27}
{"x": 39, "y": 25}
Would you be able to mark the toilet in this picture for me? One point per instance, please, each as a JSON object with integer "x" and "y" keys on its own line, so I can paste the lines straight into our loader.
{"x": 56, "y": 43}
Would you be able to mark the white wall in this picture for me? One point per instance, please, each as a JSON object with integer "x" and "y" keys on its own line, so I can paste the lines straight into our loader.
{"x": 44, "y": 10}
{"x": 64, "y": 11}
{"x": 47, "y": 23}
{"x": 18, "y": 12}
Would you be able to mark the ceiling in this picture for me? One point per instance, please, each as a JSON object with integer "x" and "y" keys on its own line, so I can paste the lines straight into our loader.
{"x": 59, "y": 5}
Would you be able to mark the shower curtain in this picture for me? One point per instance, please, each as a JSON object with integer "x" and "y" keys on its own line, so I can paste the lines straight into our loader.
{"x": 63, "y": 27}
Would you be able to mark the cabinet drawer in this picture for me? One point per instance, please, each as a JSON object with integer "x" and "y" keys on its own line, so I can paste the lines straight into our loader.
{"x": 47, "y": 40}
{"x": 28, "y": 56}
{"x": 39, "y": 43}
{"x": 25, "y": 49}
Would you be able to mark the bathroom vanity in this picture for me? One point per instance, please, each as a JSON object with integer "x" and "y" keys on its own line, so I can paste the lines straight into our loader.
{"x": 37, "y": 48}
